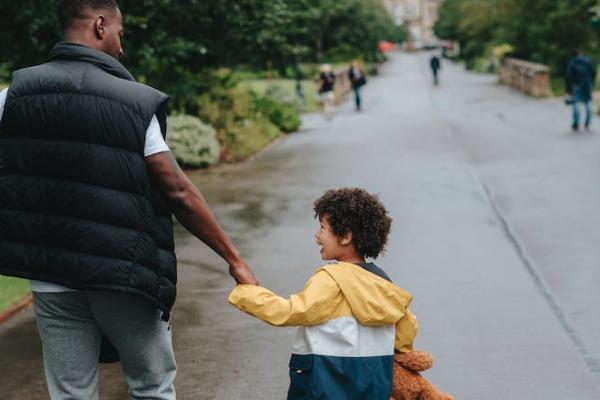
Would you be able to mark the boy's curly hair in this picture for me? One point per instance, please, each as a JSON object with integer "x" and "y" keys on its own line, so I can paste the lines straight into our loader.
{"x": 357, "y": 211}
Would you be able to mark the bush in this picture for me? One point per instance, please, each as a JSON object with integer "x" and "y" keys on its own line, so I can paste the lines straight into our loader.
{"x": 242, "y": 129}
{"x": 492, "y": 58}
{"x": 246, "y": 137}
{"x": 284, "y": 90}
{"x": 192, "y": 142}
{"x": 283, "y": 96}
{"x": 284, "y": 115}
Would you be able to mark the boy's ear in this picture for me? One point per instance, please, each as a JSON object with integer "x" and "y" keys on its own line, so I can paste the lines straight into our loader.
{"x": 346, "y": 239}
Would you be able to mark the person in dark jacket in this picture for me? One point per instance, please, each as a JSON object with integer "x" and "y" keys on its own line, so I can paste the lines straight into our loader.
{"x": 580, "y": 82}
{"x": 435, "y": 65}
{"x": 88, "y": 188}
{"x": 358, "y": 79}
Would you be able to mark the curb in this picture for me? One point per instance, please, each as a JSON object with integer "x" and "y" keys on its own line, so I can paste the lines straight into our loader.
{"x": 15, "y": 308}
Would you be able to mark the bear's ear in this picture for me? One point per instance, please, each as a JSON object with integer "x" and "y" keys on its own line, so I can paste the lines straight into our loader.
{"x": 414, "y": 360}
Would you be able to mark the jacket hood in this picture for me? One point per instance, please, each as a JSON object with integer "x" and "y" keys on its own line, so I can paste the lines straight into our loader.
{"x": 373, "y": 300}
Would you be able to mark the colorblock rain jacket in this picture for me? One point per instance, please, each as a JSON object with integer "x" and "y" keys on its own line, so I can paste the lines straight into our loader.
{"x": 350, "y": 321}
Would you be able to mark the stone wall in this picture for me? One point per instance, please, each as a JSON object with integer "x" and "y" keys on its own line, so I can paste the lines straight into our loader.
{"x": 528, "y": 77}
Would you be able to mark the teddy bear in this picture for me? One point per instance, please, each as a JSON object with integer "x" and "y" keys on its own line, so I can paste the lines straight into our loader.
{"x": 408, "y": 384}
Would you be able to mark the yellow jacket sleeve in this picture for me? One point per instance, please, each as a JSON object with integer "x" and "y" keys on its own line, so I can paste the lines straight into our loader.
{"x": 314, "y": 305}
{"x": 406, "y": 331}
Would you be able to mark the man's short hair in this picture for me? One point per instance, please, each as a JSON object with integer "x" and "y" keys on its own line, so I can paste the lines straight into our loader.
{"x": 357, "y": 211}
{"x": 68, "y": 10}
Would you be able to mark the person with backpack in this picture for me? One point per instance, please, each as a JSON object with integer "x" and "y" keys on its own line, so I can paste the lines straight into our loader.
{"x": 358, "y": 79}
{"x": 580, "y": 81}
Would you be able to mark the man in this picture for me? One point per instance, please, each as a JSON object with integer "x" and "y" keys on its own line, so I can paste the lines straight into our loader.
{"x": 87, "y": 190}
{"x": 358, "y": 79}
{"x": 580, "y": 82}
{"x": 435, "y": 65}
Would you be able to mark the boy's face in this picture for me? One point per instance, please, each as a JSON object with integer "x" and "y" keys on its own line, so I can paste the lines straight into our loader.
{"x": 331, "y": 246}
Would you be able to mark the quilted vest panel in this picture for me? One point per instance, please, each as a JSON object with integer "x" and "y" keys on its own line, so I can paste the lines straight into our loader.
{"x": 77, "y": 207}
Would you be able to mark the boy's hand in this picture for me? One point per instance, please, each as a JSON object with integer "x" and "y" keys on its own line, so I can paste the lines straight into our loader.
{"x": 242, "y": 273}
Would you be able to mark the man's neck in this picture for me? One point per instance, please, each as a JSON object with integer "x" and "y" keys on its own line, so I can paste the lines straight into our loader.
{"x": 77, "y": 38}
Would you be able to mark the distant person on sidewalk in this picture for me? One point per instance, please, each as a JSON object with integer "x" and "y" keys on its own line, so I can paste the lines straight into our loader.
{"x": 580, "y": 82}
{"x": 435, "y": 65}
{"x": 351, "y": 318}
{"x": 357, "y": 77}
{"x": 88, "y": 188}
{"x": 326, "y": 89}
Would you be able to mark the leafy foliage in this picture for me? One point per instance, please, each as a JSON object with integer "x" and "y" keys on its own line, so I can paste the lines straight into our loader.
{"x": 192, "y": 142}
{"x": 171, "y": 44}
{"x": 29, "y": 29}
{"x": 241, "y": 128}
{"x": 182, "y": 47}
{"x": 283, "y": 115}
{"x": 544, "y": 31}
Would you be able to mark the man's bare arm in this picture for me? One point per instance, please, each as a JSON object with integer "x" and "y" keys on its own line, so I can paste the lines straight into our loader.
{"x": 190, "y": 208}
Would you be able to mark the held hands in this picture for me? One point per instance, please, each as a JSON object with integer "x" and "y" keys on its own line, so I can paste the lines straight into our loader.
{"x": 242, "y": 273}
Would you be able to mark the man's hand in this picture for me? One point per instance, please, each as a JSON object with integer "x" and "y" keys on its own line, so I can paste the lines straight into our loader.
{"x": 190, "y": 208}
{"x": 242, "y": 274}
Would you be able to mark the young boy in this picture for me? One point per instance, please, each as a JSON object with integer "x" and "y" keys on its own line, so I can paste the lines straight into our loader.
{"x": 350, "y": 316}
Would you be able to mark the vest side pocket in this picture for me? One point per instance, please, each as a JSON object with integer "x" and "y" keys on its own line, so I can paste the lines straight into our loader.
{"x": 300, "y": 377}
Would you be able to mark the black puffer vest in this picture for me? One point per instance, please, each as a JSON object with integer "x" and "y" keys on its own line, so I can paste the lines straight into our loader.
{"x": 77, "y": 207}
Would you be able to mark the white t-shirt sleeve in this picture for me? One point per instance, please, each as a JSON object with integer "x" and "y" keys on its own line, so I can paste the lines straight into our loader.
{"x": 3, "y": 94}
{"x": 155, "y": 143}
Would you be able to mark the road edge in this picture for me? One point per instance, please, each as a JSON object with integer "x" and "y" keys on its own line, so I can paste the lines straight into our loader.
{"x": 15, "y": 308}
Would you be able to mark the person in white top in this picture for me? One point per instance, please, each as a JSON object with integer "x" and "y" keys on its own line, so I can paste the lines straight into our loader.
{"x": 155, "y": 143}
{"x": 71, "y": 322}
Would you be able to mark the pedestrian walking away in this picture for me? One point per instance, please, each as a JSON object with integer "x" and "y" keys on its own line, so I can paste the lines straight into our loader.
{"x": 350, "y": 316}
{"x": 326, "y": 89}
{"x": 435, "y": 65}
{"x": 358, "y": 79}
{"x": 87, "y": 192}
{"x": 580, "y": 81}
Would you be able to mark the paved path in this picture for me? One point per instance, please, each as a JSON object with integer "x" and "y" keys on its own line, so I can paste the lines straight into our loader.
{"x": 495, "y": 234}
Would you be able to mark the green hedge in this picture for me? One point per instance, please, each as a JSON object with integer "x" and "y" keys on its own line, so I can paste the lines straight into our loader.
{"x": 285, "y": 90}
{"x": 242, "y": 129}
{"x": 192, "y": 142}
{"x": 284, "y": 117}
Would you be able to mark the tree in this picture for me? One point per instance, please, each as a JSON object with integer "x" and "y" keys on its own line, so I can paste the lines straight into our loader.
{"x": 543, "y": 31}
{"x": 175, "y": 44}
{"x": 29, "y": 29}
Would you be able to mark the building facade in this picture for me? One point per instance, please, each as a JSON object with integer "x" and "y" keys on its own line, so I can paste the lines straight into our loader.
{"x": 418, "y": 18}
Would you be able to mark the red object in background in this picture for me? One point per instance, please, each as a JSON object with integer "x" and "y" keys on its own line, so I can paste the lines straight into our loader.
{"x": 385, "y": 46}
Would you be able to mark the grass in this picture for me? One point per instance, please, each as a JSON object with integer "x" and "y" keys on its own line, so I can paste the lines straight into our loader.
{"x": 309, "y": 88}
{"x": 12, "y": 290}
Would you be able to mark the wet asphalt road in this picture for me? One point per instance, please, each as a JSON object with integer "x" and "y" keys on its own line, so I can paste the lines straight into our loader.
{"x": 495, "y": 234}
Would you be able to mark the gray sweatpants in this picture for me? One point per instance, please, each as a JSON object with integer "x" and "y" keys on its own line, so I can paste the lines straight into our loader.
{"x": 71, "y": 326}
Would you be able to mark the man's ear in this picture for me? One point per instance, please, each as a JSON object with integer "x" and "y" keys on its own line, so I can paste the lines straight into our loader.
{"x": 346, "y": 239}
{"x": 100, "y": 27}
